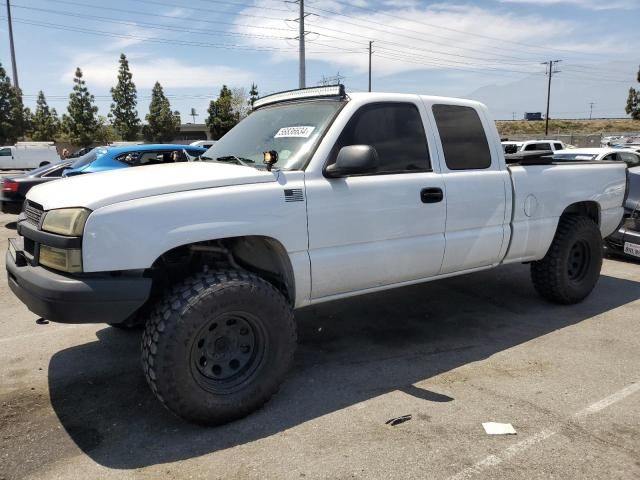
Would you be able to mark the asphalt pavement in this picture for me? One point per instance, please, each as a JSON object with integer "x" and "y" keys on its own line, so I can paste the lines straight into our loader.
{"x": 451, "y": 354}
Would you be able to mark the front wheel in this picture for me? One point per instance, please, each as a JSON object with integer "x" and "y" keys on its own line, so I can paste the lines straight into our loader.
{"x": 219, "y": 346}
{"x": 571, "y": 268}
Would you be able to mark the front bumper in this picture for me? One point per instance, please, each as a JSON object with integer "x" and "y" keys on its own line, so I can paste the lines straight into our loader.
{"x": 91, "y": 298}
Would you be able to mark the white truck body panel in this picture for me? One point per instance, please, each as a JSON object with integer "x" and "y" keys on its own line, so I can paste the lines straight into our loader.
{"x": 348, "y": 235}
{"x": 23, "y": 157}
{"x": 106, "y": 188}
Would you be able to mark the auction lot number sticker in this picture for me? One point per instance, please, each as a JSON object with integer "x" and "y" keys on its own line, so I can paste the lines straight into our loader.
{"x": 294, "y": 132}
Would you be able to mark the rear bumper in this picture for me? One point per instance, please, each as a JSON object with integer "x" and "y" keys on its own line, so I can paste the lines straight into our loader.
{"x": 10, "y": 205}
{"x": 98, "y": 298}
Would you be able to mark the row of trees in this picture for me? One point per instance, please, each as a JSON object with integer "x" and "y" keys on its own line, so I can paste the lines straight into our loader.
{"x": 81, "y": 125}
{"x": 633, "y": 101}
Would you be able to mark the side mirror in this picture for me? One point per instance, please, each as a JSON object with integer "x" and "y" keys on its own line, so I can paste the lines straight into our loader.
{"x": 354, "y": 160}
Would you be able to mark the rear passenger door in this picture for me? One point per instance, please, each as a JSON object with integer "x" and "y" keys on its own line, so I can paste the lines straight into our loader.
{"x": 475, "y": 182}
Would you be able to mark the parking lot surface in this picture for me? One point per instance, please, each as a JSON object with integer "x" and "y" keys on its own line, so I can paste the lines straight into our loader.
{"x": 452, "y": 354}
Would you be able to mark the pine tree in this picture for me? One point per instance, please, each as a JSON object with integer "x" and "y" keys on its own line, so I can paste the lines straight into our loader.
{"x": 163, "y": 125}
{"x": 123, "y": 115}
{"x": 44, "y": 122}
{"x": 81, "y": 122}
{"x": 253, "y": 94}
{"x": 222, "y": 116}
{"x": 633, "y": 101}
{"x": 12, "y": 122}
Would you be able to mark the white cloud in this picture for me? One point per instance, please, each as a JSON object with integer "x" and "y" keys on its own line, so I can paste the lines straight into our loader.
{"x": 408, "y": 38}
{"x": 101, "y": 72}
{"x": 589, "y": 4}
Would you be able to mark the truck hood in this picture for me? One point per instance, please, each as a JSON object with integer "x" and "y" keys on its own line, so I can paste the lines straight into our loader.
{"x": 97, "y": 190}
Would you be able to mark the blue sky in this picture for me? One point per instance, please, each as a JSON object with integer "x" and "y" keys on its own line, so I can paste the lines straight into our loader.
{"x": 485, "y": 49}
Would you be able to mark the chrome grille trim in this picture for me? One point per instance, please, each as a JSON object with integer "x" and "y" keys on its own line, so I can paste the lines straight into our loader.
{"x": 33, "y": 212}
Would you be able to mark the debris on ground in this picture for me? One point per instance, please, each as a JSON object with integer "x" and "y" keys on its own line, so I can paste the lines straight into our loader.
{"x": 493, "y": 428}
{"x": 398, "y": 420}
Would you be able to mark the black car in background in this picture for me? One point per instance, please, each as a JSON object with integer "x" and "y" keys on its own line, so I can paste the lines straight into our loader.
{"x": 626, "y": 240}
{"x": 13, "y": 188}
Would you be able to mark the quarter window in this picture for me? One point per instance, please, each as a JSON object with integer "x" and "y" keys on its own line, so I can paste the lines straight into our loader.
{"x": 395, "y": 130}
{"x": 464, "y": 141}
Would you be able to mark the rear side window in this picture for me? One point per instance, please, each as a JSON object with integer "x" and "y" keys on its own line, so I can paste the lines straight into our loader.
{"x": 395, "y": 130}
{"x": 5, "y": 152}
{"x": 463, "y": 137}
{"x": 558, "y": 146}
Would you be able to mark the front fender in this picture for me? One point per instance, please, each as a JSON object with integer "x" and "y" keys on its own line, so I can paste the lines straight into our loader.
{"x": 133, "y": 234}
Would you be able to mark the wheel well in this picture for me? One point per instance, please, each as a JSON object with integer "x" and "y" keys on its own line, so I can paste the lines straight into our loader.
{"x": 589, "y": 209}
{"x": 264, "y": 256}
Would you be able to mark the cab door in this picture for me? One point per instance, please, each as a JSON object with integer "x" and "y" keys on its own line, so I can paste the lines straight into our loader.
{"x": 373, "y": 230}
{"x": 477, "y": 186}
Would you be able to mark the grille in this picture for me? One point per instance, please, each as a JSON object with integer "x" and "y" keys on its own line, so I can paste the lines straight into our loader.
{"x": 33, "y": 212}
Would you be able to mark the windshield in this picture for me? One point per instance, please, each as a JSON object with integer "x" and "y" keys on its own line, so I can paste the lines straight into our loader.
{"x": 87, "y": 158}
{"x": 574, "y": 156}
{"x": 292, "y": 130}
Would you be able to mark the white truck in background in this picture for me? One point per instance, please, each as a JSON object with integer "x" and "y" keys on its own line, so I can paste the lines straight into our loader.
{"x": 28, "y": 155}
{"x": 315, "y": 196}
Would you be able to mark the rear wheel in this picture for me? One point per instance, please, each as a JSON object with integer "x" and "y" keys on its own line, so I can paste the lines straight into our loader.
{"x": 219, "y": 346}
{"x": 571, "y": 268}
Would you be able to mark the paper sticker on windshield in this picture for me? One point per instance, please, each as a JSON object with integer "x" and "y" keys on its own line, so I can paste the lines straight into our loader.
{"x": 294, "y": 132}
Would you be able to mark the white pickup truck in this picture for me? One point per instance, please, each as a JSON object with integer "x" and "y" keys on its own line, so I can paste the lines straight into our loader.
{"x": 316, "y": 195}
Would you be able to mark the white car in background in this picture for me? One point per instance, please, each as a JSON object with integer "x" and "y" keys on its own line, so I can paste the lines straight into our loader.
{"x": 627, "y": 155}
{"x": 533, "y": 145}
{"x": 203, "y": 143}
{"x": 28, "y": 155}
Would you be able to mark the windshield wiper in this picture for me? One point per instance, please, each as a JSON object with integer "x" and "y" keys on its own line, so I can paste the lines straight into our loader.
{"x": 240, "y": 160}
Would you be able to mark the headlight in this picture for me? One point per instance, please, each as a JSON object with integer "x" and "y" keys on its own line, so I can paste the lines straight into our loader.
{"x": 66, "y": 221}
{"x": 61, "y": 259}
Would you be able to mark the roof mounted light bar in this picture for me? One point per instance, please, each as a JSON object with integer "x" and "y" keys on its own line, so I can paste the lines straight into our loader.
{"x": 312, "y": 92}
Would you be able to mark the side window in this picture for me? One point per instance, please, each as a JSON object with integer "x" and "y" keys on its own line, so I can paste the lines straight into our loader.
{"x": 611, "y": 156}
{"x": 558, "y": 146}
{"x": 5, "y": 152}
{"x": 57, "y": 172}
{"x": 543, "y": 146}
{"x": 530, "y": 147}
{"x": 631, "y": 159}
{"x": 395, "y": 130}
{"x": 464, "y": 140}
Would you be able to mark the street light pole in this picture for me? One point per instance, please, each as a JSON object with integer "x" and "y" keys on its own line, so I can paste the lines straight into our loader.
{"x": 302, "y": 73}
{"x": 551, "y": 64}
{"x": 370, "y": 44}
{"x": 12, "y": 48}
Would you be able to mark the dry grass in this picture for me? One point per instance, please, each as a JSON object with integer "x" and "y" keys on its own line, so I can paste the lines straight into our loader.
{"x": 507, "y": 127}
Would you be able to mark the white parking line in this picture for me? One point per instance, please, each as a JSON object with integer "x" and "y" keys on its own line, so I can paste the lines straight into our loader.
{"x": 493, "y": 460}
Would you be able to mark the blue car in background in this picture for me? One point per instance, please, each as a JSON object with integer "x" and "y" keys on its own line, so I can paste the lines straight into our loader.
{"x": 101, "y": 159}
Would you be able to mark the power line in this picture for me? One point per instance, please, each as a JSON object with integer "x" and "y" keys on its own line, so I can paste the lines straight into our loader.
{"x": 442, "y": 27}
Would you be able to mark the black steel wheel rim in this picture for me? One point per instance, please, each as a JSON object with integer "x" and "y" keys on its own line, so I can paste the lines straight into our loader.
{"x": 579, "y": 261}
{"x": 227, "y": 352}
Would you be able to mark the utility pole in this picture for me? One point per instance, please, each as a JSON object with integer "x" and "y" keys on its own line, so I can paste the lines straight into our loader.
{"x": 12, "y": 48}
{"x": 302, "y": 75}
{"x": 513, "y": 116}
{"x": 194, "y": 114}
{"x": 551, "y": 64}
{"x": 591, "y": 104}
{"x": 370, "y": 52}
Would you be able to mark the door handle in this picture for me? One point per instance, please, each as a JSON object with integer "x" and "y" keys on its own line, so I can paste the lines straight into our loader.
{"x": 431, "y": 195}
